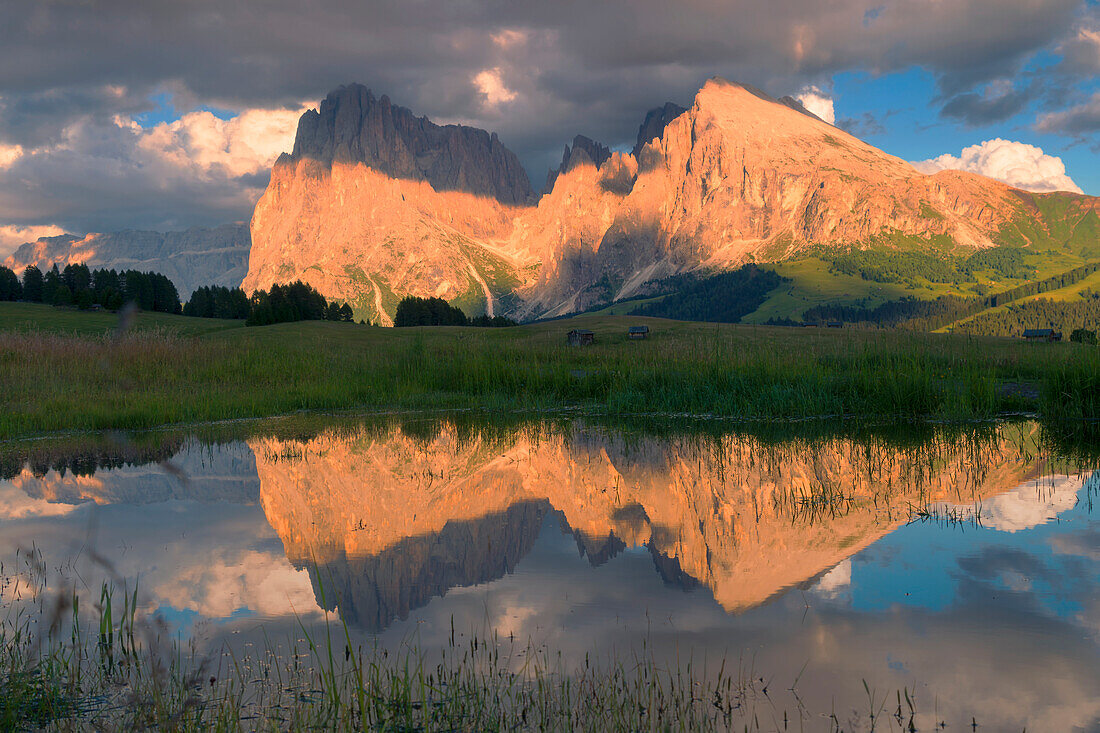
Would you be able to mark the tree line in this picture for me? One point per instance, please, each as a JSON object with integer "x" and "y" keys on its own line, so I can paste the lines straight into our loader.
{"x": 79, "y": 286}
{"x": 915, "y": 314}
{"x": 283, "y": 303}
{"x": 1065, "y": 316}
{"x": 908, "y": 266}
{"x": 725, "y": 298}
{"x": 414, "y": 311}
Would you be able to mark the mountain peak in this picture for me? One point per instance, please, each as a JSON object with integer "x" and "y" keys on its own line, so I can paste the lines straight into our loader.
{"x": 654, "y": 124}
{"x": 583, "y": 149}
{"x": 352, "y": 126}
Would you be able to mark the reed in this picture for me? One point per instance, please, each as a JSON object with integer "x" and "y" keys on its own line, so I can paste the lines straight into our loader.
{"x": 130, "y": 674}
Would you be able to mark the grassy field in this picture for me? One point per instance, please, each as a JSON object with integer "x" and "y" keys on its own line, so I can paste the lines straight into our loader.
{"x": 812, "y": 284}
{"x": 65, "y": 375}
{"x": 34, "y": 317}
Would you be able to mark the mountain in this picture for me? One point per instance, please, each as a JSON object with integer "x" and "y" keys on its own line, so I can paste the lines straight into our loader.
{"x": 375, "y": 203}
{"x": 190, "y": 259}
{"x": 390, "y": 518}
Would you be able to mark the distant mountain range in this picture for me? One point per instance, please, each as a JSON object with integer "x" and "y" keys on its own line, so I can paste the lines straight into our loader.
{"x": 375, "y": 203}
{"x": 190, "y": 259}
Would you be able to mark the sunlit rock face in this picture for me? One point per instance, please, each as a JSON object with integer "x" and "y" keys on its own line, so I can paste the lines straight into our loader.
{"x": 190, "y": 259}
{"x": 376, "y": 203}
{"x": 391, "y": 519}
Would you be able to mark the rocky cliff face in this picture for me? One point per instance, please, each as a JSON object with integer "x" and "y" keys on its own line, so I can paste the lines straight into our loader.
{"x": 740, "y": 177}
{"x": 352, "y": 126}
{"x": 392, "y": 520}
{"x": 376, "y": 203}
{"x": 190, "y": 259}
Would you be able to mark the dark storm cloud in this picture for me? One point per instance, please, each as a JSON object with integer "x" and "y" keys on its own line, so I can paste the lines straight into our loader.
{"x": 862, "y": 126}
{"x": 1081, "y": 120}
{"x": 547, "y": 70}
{"x": 995, "y": 104}
{"x": 616, "y": 55}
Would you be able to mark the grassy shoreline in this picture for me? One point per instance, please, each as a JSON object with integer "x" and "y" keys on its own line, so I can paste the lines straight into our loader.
{"x": 163, "y": 371}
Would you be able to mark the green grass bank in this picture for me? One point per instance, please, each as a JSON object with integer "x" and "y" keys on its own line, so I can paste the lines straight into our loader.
{"x": 64, "y": 370}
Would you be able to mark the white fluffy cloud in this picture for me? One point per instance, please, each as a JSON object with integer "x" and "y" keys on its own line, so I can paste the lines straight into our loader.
{"x": 490, "y": 83}
{"x": 243, "y": 145}
{"x": 1017, "y": 164}
{"x": 818, "y": 102}
{"x": 108, "y": 175}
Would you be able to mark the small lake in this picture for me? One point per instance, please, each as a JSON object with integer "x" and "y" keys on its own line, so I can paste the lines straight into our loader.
{"x": 829, "y": 567}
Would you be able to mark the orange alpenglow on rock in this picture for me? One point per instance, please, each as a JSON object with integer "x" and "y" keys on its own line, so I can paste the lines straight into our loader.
{"x": 392, "y": 520}
{"x": 375, "y": 203}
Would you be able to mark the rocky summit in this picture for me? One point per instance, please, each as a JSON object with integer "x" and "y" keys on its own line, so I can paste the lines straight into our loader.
{"x": 375, "y": 203}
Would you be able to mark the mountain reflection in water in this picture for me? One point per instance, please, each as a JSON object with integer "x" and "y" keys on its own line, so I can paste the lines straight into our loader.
{"x": 390, "y": 516}
{"x": 959, "y": 560}
{"x": 392, "y": 520}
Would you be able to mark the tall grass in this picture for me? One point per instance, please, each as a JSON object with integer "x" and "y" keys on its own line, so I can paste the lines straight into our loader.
{"x": 131, "y": 674}
{"x": 151, "y": 378}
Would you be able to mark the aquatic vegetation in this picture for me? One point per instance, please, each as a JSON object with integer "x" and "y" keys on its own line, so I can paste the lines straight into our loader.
{"x": 129, "y": 673}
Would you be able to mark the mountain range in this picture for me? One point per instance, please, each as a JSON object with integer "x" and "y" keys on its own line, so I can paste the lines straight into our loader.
{"x": 375, "y": 203}
{"x": 190, "y": 258}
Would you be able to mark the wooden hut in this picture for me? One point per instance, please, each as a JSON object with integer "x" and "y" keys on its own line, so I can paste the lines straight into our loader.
{"x": 638, "y": 332}
{"x": 1042, "y": 334}
{"x": 580, "y": 337}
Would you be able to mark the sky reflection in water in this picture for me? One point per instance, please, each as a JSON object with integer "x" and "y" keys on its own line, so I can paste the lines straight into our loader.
{"x": 798, "y": 560}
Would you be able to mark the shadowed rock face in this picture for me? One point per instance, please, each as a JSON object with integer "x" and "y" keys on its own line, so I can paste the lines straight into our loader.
{"x": 583, "y": 149}
{"x": 352, "y": 126}
{"x": 376, "y": 203}
{"x": 653, "y": 127}
{"x": 190, "y": 259}
{"x": 393, "y": 520}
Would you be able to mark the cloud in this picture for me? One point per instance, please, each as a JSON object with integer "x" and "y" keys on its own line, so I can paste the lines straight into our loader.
{"x": 243, "y": 145}
{"x": 12, "y": 236}
{"x": 1076, "y": 121}
{"x": 996, "y": 102}
{"x": 104, "y": 175}
{"x": 9, "y": 154}
{"x": 836, "y": 581}
{"x": 490, "y": 84}
{"x": 863, "y": 126}
{"x": 533, "y": 74}
{"x": 817, "y": 102}
{"x": 1017, "y": 164}
{"x": 599, "y": 70}
{"x": 1081, "y": 52}
{"x": 1033, "y": 504}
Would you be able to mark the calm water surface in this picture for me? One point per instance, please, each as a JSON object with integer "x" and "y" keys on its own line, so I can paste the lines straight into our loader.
{"x": 961, "y": 566}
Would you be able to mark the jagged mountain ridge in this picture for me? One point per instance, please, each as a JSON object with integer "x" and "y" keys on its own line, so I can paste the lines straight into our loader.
{"x": 190, "y": 259}
{"x": 390, "y": 520}
{"x": 375, "y": 203}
